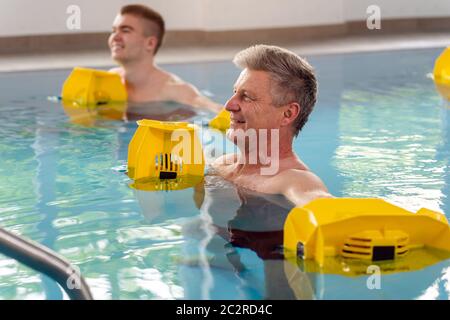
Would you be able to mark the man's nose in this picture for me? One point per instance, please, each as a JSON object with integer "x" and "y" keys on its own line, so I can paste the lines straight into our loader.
{"x": 115, "y": 36}
{"x": 232, "y": 104}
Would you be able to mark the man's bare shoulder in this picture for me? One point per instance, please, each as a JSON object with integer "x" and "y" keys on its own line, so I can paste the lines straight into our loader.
{"x": 300, "y": 186}
{"x": 173, "y": 78}
{"x": 175, "y": 82}
{"x": 181, "y": 91}
{"x": 186, "y": 93}
{"x": 300, "y": 179}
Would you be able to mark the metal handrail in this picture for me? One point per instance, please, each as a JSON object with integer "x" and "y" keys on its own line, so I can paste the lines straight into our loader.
{"x": 44, "y": 260}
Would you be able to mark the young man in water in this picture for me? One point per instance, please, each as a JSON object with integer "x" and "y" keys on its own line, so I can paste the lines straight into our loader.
{"x": 137, "y": 35}
{"x": 273, "y": 97}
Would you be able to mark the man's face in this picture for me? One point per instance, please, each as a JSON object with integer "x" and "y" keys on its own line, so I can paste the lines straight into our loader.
{"x": 127, "y": 41}
{"x": 251, "y": 105}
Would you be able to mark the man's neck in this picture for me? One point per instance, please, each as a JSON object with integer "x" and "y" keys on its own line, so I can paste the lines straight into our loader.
{"x": 270, "y": 145}
{"x": 267, "y": 159}
{"x": 138, "y": 72}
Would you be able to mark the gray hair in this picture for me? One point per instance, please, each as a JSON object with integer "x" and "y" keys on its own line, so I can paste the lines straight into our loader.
{"x": 292, "y": 76}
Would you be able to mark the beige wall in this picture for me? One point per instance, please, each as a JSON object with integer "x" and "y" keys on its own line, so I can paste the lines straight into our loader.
{"x": 390, "y": 9}
{"x": 28, "y": 17}
{"x": 254, "y": 14}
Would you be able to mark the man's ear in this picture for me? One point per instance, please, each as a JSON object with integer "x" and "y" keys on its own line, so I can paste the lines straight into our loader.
{"x": 290, "y": 113}
{"x": 151, "y": 43}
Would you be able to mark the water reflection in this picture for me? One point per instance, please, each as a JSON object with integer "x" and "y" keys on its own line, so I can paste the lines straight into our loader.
{"x": 398, "y": 159}
{"x": 377, "y": 114}
{"x": 160, "y": 110}
{"x": 235, "y": 244}
{"x": 94, "y": 115}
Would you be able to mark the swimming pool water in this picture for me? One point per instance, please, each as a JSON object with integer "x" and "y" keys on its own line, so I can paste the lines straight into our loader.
{"x": 379, "y": 129}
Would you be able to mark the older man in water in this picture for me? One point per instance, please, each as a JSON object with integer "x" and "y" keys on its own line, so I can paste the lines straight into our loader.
{"x": 273, "y": 98}
{"x": 137, "y": 35}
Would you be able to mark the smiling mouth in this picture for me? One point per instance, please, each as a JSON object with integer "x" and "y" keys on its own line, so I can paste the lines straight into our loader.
{"x": 117, "y": 47}
{"x": 237, "y": 121}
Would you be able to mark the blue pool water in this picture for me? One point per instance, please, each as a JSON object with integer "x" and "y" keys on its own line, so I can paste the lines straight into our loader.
{"x": 379, "y": 129}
